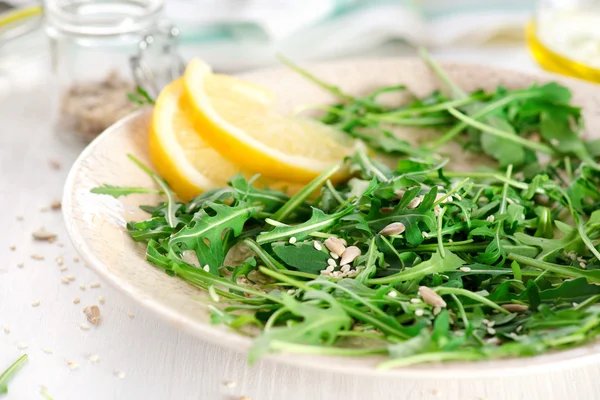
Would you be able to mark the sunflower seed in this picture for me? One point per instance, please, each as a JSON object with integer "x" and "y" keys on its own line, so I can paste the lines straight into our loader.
{"x": 395, "y": 228}
{"x": 430, "y": 297}
{"x": 43, "y": 235}
{"x": 349, "y": 255}
{"x": 515, "y": 307}
{"x": 416, "y": 202}
{"x": 335, "y": 245}
{"x": 93, "y": 314}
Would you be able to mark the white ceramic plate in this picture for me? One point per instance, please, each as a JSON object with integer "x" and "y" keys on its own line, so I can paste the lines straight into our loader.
{"x": 96, "y": 224}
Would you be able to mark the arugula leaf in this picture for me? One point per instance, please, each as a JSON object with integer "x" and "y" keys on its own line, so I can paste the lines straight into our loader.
{"x": 207, "y": 235}
{"x": 320, "y": 325}
{"x": 302, "y": 256}
{"x": 435, "y": 265}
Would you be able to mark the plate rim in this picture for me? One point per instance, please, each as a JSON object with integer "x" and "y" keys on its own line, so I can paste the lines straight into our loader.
{"x": 547, "y": 362}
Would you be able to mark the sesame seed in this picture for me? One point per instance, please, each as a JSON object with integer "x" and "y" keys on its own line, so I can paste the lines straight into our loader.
{"x": 36, "y": 303}
{"x": 229, "y": 384}
{"x": 491, "y": 324}
{"x": 485, "y": 321}
{"x": 331, "y": 262}
{"x": 70, "y": 277}
{"x": 13, "y": 247}
{"x": 20, "y": 265}
{"x": 19, "y": 218}
{"x": 317, "y": 245}
{"x": 465, "y": 269}
{"x": 84, "y": 327}
{"x": 82, "y": 286}
{"x": 101, "y": 299}
{"x": 345, "y": 268}
{"x": 206, "y": 268}
{"x": 56, "y": 205}
{"x": 38, "y": 257}
{"x": 554, "y": 142}
{"x": 63, "y": 279}
{"x": 330, "y": 268}
{"x": 22, "y": 345}
{"x": 519, "y": 328}
{"x": 245, "y": 398}
{"x": 292, "y": 240}
{"x": 393, "y": 293}
{"x": 291, "y": 291}
{"x": 130, "y": 314}
{"x": 490, "y": 218}
{"x": 415, "y": 300}
{"x": 47, "y": 350}
{"x": 436, "y": 393}
{"x": 97, "y": 284}
{"x": 60, "y": 244}
{"x": 76, "y": 259}
{"x": 419, "y": 312}
{"x": 54, "y": 164}
{"x": 334, "y": 255}
{"x": 94, "y": 358}
{"x": 6, "y": 329}
{"x": 63, "y": 269}
{"x": 491, "y": 331}
{"x": 582, "y": 265}
{"x": 59, "y": 260}
{"x": 121, "y": 374}
{"x": 76, "y": 300}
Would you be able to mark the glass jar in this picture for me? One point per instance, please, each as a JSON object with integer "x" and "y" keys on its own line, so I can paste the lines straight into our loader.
{"x": 100, "y": 53}
{"x": 564, "y": 37}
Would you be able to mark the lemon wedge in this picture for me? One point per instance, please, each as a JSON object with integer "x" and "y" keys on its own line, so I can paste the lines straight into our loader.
{"x": 238, "y": 120}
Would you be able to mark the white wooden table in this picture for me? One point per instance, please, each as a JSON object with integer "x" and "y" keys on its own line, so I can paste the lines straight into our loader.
{"x": 132, "y": 354}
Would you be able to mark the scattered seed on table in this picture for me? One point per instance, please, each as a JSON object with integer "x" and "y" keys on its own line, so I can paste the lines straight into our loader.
{"x": 82, "y": 286}
{"x": 59, "y": 260}
{"x": 436, "y": 392}
{"x": 76, "y": 259}
{"x": 36, "y": 303}
{"x": 70, "y": 277}
{"x": 229, "y": 384}
{"x": 19, "y": 218}
{"x": 76, "y": 300}
{"x": 84, "y": 327}
{"x": 245, "y": 398}
{"x": 93, "y": 314}
{"x": 6, "y": 329}
{"x": 63, "y": 279}
{"x": 94, "y": 358}
{"x": 63, "y": 269}
{"x": 38, "y": 257}
{"x": 43, "y": 235}
{"x": 20, "y": 265}
{"x": 54, "y": 164}
{"x": 121, "y": 374}
{"x": 44, "y": 209}
{"x": 47, "y": 350}
{"x": 72, "y": 365}
{"x": 101, "y": 299}
{"x": 95, "y": 285}
{"x": 13, "y": 247}
{"x": 60, "y": 244}
{"x": 22, "y": 345}
{"x": 56, "y": 205}
{"x": 130, "y": 314}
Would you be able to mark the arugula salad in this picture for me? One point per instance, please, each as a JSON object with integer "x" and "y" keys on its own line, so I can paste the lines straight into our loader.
{"x": 414, "y": 261}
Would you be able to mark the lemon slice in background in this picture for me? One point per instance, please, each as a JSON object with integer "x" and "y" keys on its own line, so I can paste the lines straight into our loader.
{"x": 178, "y": 153}
{"x": 238, "y": 120}
{"x": 183, "y": 159}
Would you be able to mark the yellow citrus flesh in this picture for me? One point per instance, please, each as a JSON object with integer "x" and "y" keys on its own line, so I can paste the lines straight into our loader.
{"x": 238, "y": 120}
{"x": 180, "y": 155}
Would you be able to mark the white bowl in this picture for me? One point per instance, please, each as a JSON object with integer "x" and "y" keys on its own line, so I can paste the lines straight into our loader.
{"x": 96, "y": 223}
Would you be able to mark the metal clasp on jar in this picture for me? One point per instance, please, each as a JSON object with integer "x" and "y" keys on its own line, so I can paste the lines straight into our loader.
{"x": 157, "y": 62}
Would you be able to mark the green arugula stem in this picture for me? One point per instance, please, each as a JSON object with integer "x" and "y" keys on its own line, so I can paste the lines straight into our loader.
{"x": 528, "y": 144}
{"x": 592, "y": 276}
{"x": 473, "y": 296}
{"x": 303, "y": 194}
{"x": 9, "y": 372}
{"x": 326, "y": 351}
